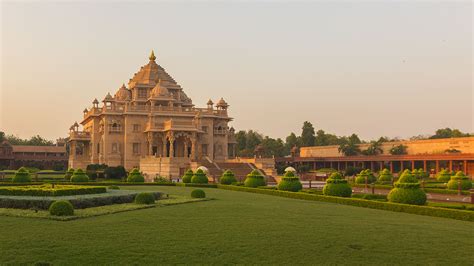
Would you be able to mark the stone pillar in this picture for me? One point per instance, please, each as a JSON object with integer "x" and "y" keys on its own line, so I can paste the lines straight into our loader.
{"x": 186, "y": 148}
{"x": 412, "y": 165}
{"x": 172, "y": 140}
{"x": 465, "y": 167}
{"x": 401, "y": 165}
{"x": 424, "y": 166}
{"x": 150, "y": 143}
{"x": 450, "y": 165}
{"x": 437, "y": 166}
{"x": 391, "y": 167}
{"x": 164, "y": 150}
{"x": 371, "y": 166}
{"x": 193, "y": 148}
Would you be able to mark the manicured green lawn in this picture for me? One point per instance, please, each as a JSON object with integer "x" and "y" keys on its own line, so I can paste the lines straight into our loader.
{"x": 240, "y": 227}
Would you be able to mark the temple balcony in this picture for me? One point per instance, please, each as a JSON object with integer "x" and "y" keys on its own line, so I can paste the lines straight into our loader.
{"x": 80, "y": 135}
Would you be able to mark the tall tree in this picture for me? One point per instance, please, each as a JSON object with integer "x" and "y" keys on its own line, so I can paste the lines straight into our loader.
{"x": 291, "y": 141}
{"x": 448, "y": 133}
{"x": 349, "y": 146}
{"x": 307, "y": 135}
{"x": 2, "y": 136}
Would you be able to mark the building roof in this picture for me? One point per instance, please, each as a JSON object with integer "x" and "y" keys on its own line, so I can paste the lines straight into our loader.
{"x": 150, "y": 73}
{"x": 123, "y": 94}
{"x": 26, "y": 148}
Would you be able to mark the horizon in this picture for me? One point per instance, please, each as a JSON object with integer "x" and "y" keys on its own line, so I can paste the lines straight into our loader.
{"x": 307, "y": 54}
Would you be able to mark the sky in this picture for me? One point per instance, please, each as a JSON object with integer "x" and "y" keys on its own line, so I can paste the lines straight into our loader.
{"x": 378, "y": 68}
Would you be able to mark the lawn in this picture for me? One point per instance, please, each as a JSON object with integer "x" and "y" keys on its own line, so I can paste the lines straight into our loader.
{"x": 240, "y": 227}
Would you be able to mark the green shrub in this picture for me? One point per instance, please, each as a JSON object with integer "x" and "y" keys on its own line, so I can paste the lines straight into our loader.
{"x": 337, "y": 186}
{"x": 114, "y": 187}
{"x": 255, "y": 179}
{"x": 69, "y": 173}
{"x": 198, "y": 193}
{"x": 466, "y": 183}
{"x": 370, "y": 196}
{"x": 79, "y": 176}
{"x": 22, "y": 176}
{"x": 385, "y": 176}
{"x": 407, "y": 190}
{"x": 199, "y": 177}
{"x": 228, "y": 178}
{"x": 290, "y": 182}
{"x": 360, "y": 179}
{"x": 443, "y": 175}
{"x": 135, "y": 176}
{"x": 61, "y": 208}
{"x": 187, "y": 176}
{"x": 144, "y": 198}
{"x": 117, "y": 172}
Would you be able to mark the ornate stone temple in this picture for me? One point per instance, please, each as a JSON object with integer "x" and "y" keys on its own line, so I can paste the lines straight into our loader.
{"x": 152, "y": 124}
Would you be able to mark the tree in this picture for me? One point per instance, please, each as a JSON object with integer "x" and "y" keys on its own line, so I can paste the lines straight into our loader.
{"x": 398, "y": 150}
{"x": 374, "y": 148}
{"x": 34, "y": 141}
{"x": 291, "y": 141}
{"x": 307, "y": 135}
{"x": 241, "y": 138}
{"x": 273, "y": 147}
{"x": 448, "y": 133}
{"x": 349, "y": 146}
{"x": 2, "y": 136}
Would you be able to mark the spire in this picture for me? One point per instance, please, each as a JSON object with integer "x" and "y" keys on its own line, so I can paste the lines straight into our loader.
{"x": 152, "y": 56}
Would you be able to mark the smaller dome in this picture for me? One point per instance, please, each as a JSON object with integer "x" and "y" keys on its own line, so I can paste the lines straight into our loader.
{"x": 222, "y": 103}
{"x": 210, "y": 102}
{"x": 160, "y": 91}
{"x": 290, "y": 169}
{"x": 85, "y": 110}
{"x": 95, "y": 101}
{"x": 108, "y": 97}
{"x": 204, "y": 169}
{"x": 123, "y": 94}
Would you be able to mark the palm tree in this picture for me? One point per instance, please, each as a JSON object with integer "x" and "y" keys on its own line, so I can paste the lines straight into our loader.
{"x": 348, "y": 147}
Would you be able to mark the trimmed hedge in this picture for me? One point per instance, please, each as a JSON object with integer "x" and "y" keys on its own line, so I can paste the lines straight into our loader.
{"x": 187, "y": 176}
{"x": 337, "y": 186}
{"x": 69, "y": 173}
{"x": 466, "y": 183}
{"x": 49, "y": 191}
{"x": 360, "y": 179}
{"x": 199, "y": 177}
{"x": 22, "y": 176}
{"x": 407, "y": 190}
{"x": 61, "y": 208}
{"x": 228, "y": 178}
{"x": 385, "y": 176}
{"x": 388, "y": 206}
{"x": 195, "y": 185}
{"x": 198, "y": 193}
{"x": 144, "y": 198}
{"x": 78, "y": 203}
{"x": 443, "y": 175}
{"x": 135, "y": 176}
{"x": 290, "y": 182}
{"x": 255, "y": 179}
{"x": 79, "y": 177}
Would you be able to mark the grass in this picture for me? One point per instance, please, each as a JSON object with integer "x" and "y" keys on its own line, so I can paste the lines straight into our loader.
{"x": 243, "y": 228}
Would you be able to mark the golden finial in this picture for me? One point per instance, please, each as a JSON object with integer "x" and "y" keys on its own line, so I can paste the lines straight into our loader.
{"x": 152, "y": 56}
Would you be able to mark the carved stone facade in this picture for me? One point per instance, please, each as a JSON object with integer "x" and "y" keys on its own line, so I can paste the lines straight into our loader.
{"x": 153, "y": 125}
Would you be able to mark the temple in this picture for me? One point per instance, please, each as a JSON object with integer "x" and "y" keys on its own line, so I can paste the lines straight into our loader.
{"x": 153, "y": 125}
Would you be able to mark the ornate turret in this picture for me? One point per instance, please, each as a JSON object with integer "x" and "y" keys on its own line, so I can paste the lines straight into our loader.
{"x": 108, "y": 98}
{"x": 222, "y": 104}
{"x": 123, "y": 94}
{"x": 160, "y": 91}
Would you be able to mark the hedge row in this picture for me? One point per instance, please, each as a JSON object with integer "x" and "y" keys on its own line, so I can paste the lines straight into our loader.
{"x": 93, "y": 184}
{"x": 79, "y": 203}
{"x": 196, "y": 185}
{"x": 427, "y": 190}
{"x": 388, "y": 206}
{"x": 49, "y": 191}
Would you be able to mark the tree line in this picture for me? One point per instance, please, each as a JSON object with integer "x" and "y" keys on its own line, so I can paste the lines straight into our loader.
{"x": 34, "y": 140}
{"x": 247, "y": 142}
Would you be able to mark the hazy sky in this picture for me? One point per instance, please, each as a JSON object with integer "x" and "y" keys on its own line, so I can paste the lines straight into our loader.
{"x": 387, "y": 68}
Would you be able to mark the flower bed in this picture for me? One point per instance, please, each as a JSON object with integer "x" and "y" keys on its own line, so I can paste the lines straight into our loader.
{"x": 50, "y": 191}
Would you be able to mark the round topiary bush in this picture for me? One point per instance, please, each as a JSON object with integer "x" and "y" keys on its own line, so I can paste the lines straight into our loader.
{"x": 290, "y": 182}
{"x": 187, "y": 176}
{"x": 61, "y": 208}
{"x": 21, "y": 176}
{"x": 135, "y": 176}
{"x": 466, "y": 183}
{"x": 443, "y": 176}
{"x": 255, "y": 179}
{"x": 199, "y": 177}
{"x": 407, "y": 190}
{"x": 337, "y": 186}
{"x": 360, "y": 179}
{"x": 198, "y": 193}
{"x": 79, "y": 176}
{"x": 228, "y": 178}
{"x": 69, "y": 173}
{"x": 144, "y": 198}
{"x": 385, "y": 176}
